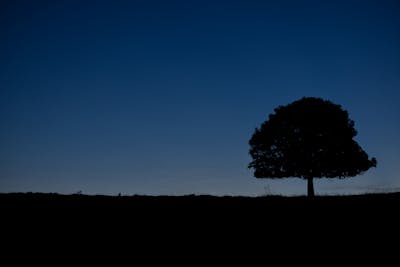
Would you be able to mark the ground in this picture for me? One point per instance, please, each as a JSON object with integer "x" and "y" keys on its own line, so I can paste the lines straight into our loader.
{"x": 204, "y": 225}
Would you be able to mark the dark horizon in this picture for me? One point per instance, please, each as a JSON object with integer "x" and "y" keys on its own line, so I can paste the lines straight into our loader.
{"x": 161, "y": 98}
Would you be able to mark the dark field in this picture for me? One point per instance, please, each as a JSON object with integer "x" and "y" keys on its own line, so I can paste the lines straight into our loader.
{"x": 205, "y": 210}
{"x": 263, "y": 224}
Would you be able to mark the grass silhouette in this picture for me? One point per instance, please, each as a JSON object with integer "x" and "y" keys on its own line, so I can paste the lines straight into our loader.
{"x": 268, "y": 209}
{"x": 199, "y": 225}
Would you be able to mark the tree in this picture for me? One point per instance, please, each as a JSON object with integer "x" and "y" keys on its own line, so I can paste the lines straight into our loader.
{"x": 309, "y": 138}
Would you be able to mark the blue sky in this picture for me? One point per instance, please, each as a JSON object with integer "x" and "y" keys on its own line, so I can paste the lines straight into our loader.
{"x": 161, "y": 97}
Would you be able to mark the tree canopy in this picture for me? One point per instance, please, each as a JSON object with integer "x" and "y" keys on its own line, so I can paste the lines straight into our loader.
{"x": 309, "y": 138}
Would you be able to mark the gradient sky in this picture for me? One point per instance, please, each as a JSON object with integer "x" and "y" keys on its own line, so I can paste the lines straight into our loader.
{"x": 161, "y": 97}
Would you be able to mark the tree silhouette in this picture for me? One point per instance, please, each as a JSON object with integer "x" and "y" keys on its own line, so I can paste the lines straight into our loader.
{"x": 309, "y": 138}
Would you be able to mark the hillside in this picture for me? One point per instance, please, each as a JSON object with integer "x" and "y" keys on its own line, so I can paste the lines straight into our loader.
{"x": 271, "y": 209}
{"x": 201, "y": 227}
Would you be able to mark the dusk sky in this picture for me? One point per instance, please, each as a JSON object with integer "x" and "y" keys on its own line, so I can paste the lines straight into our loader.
{"x": 161, "y": 97}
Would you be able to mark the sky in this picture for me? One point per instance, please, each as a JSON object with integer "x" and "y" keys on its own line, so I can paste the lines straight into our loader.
{"x": 161, "y": 97}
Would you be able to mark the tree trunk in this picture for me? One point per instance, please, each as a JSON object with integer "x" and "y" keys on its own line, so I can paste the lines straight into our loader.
{"x": 310, "y": 187}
